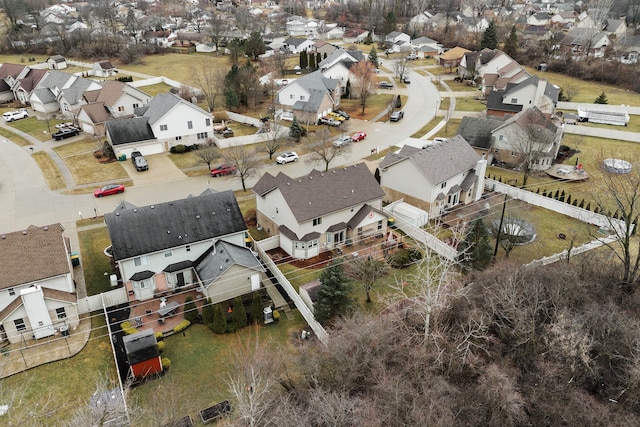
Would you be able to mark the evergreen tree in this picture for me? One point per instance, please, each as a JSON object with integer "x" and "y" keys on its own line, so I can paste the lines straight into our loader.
{"x": 230, "y": 98}
{"x": 296, "y": 131}
{"x": 254, "y": 46}
{"x": 373, "y": 57}
{"x": 190, "y": 310}
{"x": 208, "y": 313}
{"x": 325, "y": 56}
{"x": 256, "y": 309}
{"x": 304, "y": 59}
{"x": 347, "y": 90}
{"x": 333, "y": 294}
{"x": 312, "y": 61}
{"x": 511, "y": 43}
{"x": 318, "y": 59}
{"x": 601, "y": 99}
{"x": 476, "y": 250}
{"x": 239, "y": 314}
{"x": 219, "y": 322}
{"x": 390, "y": 22}
{"x": 490, "y": 37}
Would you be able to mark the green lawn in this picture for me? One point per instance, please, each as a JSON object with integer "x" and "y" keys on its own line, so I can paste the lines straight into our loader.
{"x": 462, "y": 87}
{"x": 36, "y": 128}
{"x": 470, "y": 104}
{"x": 95, "y": 262}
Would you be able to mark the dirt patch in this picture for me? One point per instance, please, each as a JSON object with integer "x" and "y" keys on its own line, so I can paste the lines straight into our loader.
{"x": 320, "y": 261}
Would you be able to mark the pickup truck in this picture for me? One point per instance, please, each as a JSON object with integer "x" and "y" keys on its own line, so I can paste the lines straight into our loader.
{"x": 66, "y": 132}
{"x": 139, "y": 161}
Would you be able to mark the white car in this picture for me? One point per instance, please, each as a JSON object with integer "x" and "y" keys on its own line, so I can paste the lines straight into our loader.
{"x": 343, "y": 140}
{"x": 289, "y": 156}
{"x": 10, "y": 116}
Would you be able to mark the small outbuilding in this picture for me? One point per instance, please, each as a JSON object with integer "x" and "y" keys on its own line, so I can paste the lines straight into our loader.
{"x": 56, "y": 62}
{"x": 143, "y": 354}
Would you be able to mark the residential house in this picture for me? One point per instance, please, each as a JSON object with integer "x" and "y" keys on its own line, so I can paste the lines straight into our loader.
{"x": 37, "y": 290}
{"x": 355, "y": 35}
{"x": 475, "y": 25}
{"x": 103, "y": 68}
{"x": 586, "y": 42}
{"x": 193, "y": 243}
{"x": 298, "y": 26}
{"x": 188, "y": 39}
{"x": 56, "y": 62}
{"x": 336, "y": 33}
{"x": 60, "y": 92}
{"x": 532, "y": 92}
{"x": 452, "y": 57}
{"x": 421, "y": 21}
{"x": 564, "y": 19}
{"x": 21, "y": 81}
{"x": 495, "y": 69}
{"x": 397, "y": 41}
{"x": 527, "y": 136}
{"x": 477, "y": 132}
{"x": 630, "y": 47}
{"x": 166, "y": 121}
{"x": 322, "y": 210}
{"x": 435, "y": 178}
{"x": 164, "y": 38}
{"x": 424, "y": 47}
{"x": 310, "y": 97}
{"x": 540, "y": 19}
{"x": 532, "y": 34}
{"x": 297, "y": 45}
{"x": 615, "y": 28}
{"x": 337, "y": 65}
{"x": 323, "y": 48}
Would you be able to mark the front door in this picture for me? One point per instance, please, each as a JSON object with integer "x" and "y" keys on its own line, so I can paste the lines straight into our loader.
{"x": 180, "y": 277}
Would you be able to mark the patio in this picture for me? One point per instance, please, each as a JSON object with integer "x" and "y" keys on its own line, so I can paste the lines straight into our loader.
{"x": 144, "y": 314}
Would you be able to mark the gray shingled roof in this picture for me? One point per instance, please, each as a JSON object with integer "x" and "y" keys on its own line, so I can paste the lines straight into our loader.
{"x": 129, "y": 130}
{"x": 439, "y": 162}
{"x": 147, "y": 229}
{"x": 532, "y": 117}
{"x": 160, "y": 105}
{"x": 477, "y": 130}
{"x": 316, "y": 81}
{"x": 140, "y": 346}
{"x": 74, "y": 92}
{"x": 45, "y": 95}
{"x": 214, "y": 263}
{"x": 55, "y": 78}
{"x": 321, "y": 193}
{"x": 294, "y": 41}
{"x": 495, "y": 102}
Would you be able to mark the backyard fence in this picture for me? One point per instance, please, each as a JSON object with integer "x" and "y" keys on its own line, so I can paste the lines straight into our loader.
{"x": 95, "y": 302}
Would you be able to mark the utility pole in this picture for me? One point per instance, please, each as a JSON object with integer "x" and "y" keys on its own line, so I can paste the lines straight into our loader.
{"x": 504, "y": 205}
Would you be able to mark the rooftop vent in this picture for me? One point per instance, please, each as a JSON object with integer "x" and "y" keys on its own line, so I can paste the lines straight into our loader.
{"x": 135, "y": 210}
{"x": 24, "y": 233}
{"x": 152, "y": 206}
{"x": 197, "y": 216}
{"x": 45, "y": 228}
{"x": 168, "y": 231}
{"x": 117, "y": 213}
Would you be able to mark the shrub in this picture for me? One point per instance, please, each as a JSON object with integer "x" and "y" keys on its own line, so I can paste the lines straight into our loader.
{"x": 208, "y": 313}
{"x": 239, "y": 315}
{"x": 159, "y": 336}
{"x": 178, "y": 149}
{"x": 256, "y": 309}
{"x": 166, "y": 362}
{"x": 404, "y": 258}
{"x": 182, "y": 326}
{"x": 219, "y": 324}
{"x": 276, "y": 315}
{"x": 127, "y": 328}
{"x": 190, "y": 310}
{"x": 161, "y": 346}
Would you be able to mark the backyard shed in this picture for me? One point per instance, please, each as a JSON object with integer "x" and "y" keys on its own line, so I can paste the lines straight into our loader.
{"x": 410, "y": 214}
{"x": 142, "y": 353}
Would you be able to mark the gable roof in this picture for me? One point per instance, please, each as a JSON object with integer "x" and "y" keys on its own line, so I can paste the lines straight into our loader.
{"x": 97, "y": 112}
{"x": 44, "y": 248}
{"x": 74, "y": 92}
{"x": 105, "y": 65}
{"x": 438, "y": 162}
{"x": 129, "y": 130}
{"x": 531, "y": 117}
{"x": 32, "y": 78}
{"x": 477, "y": 130}
{"x": 454, "y": 53}
{"x": 140, "y": 346}
{"x": 213, "y": 263}
{"x": 161, "y": 104}
{"x": 153, "y": 228}
{"x": 321, "y": 193}
{"x": 294, "y": 41}
{"x": 423, "y": 40}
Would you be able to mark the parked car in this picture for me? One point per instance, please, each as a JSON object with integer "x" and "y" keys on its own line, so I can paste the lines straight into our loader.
{"x": 223, "y": 169}
{"x": 343, "y": 114}
{"x": 10, "y": 116}
{"x": 287, "y": 157}
{"x": 412, "y": 57}
{"x": 358, "y": 136}
{"x": 396, "y": 115}
{"x": 139, "y": 161}
{"x": 64, "y": 125}
{"x": 65, "y": 133}
{"x": 386, "y": 85}
{"x": 406, "y": 79}
{"x": 108, "y": 190}
{"x": 328, "y": 121}
{"x": 335, "y": 116}
{"x": 342, "y": 141}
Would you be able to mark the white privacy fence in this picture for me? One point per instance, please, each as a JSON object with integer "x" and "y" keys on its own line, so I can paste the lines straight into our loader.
{"x": 94, "y": 302}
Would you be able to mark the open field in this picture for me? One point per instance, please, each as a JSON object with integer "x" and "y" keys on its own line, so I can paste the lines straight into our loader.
{"x": 50, "y": 170}
{"x": 176, "y": 66}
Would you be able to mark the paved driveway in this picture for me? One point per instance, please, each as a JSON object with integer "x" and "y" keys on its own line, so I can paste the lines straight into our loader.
{"x": 161, "y": 169}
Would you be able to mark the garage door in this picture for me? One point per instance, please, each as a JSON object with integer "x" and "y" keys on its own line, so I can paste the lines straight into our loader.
{"x": 146, "y": 150}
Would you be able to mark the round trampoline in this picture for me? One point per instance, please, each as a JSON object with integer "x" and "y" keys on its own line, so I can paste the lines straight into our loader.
{"x": 617, "y": 166}
{"x": 518, "y": 231}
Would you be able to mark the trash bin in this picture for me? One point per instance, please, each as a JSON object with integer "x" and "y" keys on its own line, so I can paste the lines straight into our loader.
{"x": 75, "y": 259}
{"x": 122, "y": 158}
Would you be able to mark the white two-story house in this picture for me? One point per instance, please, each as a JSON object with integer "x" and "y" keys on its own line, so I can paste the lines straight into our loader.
{"x": 37, "y": 291}
{"x": 166, "y": 121}
{"x": 193, "y": 243}
{"x": 322, "y": 210}
{"x": 310, "y": 97}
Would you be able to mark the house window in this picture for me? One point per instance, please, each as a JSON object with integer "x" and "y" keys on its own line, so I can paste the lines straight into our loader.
{"x": 207, "y": 122}
{"x": 291, "y": 96}
{"x": 298, "y": 245}
{"x": 188, "y": 248}
{"x": 167, "y": 253}
{"x": 20, "y": 326}
{"x": 443, "y": 185}
{"x": 501, "y": 138}
{"x": 136, "y": 105}
{"x": 514, "y": 154}
{"x": 178, "y": 138}
{"x": 141, "y": 260}
{"x": 495, "y": 150}
{"x": 164, "y": 127}
{"x": 61, "y": 313}
{"x": 380, "y": 225}
{"x": 12, "y": 292}
{"x": 189, "y": 124}
{"x": 317, "y": 221}
{"x": 301, "y": 97}
{"x": 514, "y": 100}
{"x": 312, "y": 244}
{"x": 203, "y": 135}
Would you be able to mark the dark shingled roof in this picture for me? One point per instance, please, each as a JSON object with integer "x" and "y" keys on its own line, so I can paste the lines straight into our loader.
{"x": 477, "y": 130}
{"x": 438, "y": 162}
{"x": 494, "y": 102}
{"x": 214, "y": 263}
{"x": 321, "y": 193}
{"x": 129, "y": 130}
{"x": 141, "y": 346}
{"x": 153, "y": 228}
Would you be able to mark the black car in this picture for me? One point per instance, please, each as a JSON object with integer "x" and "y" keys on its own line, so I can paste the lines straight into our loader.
{"x": 65, "y": 133}
{"x": 386, "y": 85}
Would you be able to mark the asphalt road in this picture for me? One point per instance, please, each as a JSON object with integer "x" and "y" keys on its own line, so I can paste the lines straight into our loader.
{"x": 26, "y": 200}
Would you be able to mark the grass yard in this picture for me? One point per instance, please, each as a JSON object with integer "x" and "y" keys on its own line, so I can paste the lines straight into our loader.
{"x": 36, "y": 128}
{"x": 241, "y": 129}
{"x": 154, "y": 90}
{"x": 14, "y": 137}
{"x": 426, "y": 128}
{"x": 462, "y": 87}
{"x": 176, "y": 66}
{"x": 188, "y": 160}
{"x": 440, "y": 71}
{"x": 470, "y": 104}
{"x": 199, "y": 368}
{"x": 51, "y": 172}
{"x": 585, "y": 91}
{"x": 95, "y": 262}
{"x": 50, "y": 394}
{"x": 78, "y": 156}
{"x": 449, "y": 130}
{"x": 375, "y": 105}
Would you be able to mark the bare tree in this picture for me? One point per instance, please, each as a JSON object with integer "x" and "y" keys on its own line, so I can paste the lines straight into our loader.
{"x": 367, "y": 270}
{"x": 274, "y": 138}
{"x": 20, "y": 413}
{"x": 245, "y": 159}
{"x": 280, "y": 62}
{"x": 400, "y": 67}
{"x": 107, "y": 406}
{"x": 253, "y": 381}
{"x": 218, "y": 25}
{"x": 207, "y": 153}
{"x": 322, "y": 149}
{"x": 210, "y": 79}
{"x": 364, "y": 81}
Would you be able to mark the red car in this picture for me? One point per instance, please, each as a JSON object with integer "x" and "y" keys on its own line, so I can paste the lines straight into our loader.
{"x": 358, "y": 136}
{"x": 223, "y": 170}
{"x": 108, "y": 190}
